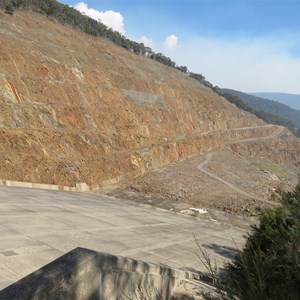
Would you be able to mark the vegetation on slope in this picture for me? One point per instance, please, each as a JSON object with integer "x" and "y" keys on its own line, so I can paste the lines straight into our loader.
{"x": 269, "y": 265}
{"x": 291, "y": 100}
{"x": 271, "y": 107}
{"x": 260, "y": 111}
{"x": 68, "y": 15}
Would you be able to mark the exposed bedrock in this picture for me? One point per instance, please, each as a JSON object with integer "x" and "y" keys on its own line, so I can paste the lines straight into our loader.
{"x": 74, "y": 108}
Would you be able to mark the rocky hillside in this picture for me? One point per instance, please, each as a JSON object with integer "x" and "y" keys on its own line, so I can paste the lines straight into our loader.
{"x": 76, "y": 108}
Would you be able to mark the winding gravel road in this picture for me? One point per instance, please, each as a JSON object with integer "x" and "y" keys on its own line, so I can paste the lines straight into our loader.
{"x": 200, "y": 167}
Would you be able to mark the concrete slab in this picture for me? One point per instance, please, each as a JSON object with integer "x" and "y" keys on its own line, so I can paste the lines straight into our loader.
{"x": 38, "y": 226}
{"x": 86, "y": 274}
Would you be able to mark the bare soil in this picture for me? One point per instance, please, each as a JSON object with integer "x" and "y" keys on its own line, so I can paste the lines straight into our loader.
{"x": 179, "y": 187}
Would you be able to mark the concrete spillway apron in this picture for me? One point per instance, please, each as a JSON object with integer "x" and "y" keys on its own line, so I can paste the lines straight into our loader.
{"x": 86, "y": 274}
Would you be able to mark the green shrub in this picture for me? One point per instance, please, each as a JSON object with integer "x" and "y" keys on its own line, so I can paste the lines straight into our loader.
{"x": 269, "y": 265}
{"x": 9, "y": 9}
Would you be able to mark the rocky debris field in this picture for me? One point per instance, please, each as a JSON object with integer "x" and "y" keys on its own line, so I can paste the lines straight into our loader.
{"x": 183, "y": 188}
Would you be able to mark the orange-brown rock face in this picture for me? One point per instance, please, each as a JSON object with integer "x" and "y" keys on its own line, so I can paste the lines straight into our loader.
{"x": 75, "y": 108}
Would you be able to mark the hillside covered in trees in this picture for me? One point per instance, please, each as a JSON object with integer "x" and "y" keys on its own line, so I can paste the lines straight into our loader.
{"x": 270, "y": 111}
{"x": 292, "y": 100}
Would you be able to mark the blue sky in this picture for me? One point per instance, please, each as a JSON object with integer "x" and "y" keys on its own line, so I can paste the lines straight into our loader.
{"x": 249, "y": 45}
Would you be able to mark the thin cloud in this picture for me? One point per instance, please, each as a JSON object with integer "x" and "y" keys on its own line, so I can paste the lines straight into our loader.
{"x": 146, "y": 41}
{"x": 249, "y": 65}
{"x": 171, "y": 42}
{"x": 110, "y": 18}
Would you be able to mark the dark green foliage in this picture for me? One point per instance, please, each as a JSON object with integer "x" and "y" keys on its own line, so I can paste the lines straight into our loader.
{"x": 183, "y": 69}
{"x": 163, "y": 59}
{"x": 68, "y": 15}
{"x": 9, "y": 9}
{"x": 196, "y": 76}
{"x": 237, "y": 101}
{"x": 202, "y": 79}
{"x": 268, "y": 106}
{"x": 17, "y": 3}
{"x": 269, "y": 265}
{"x": 291, "y": 100}
{"x": 267, "y": 117}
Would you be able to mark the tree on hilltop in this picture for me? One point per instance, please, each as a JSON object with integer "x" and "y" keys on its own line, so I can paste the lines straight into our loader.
{"x": 9, "y": 9}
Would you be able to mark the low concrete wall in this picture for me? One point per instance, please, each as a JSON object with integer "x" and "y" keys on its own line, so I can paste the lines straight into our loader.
{"x": 80, "y": 187}
{"x": 86, "y": 274}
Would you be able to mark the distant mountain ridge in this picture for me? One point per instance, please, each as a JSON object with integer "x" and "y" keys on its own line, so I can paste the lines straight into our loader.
{"x": 268, "y": 106}
{"x": 292, "y": 100}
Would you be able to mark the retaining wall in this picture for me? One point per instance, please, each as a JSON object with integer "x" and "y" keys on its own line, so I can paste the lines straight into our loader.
{"x": 86, "y": 274}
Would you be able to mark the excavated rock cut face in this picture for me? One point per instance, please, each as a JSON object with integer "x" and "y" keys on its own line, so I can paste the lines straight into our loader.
{"x": 75, "y": 108}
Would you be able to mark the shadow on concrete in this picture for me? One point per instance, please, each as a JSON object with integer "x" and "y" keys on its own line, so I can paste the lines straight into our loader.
{"x": 61, "y": 279}
{"x": 87, "y": 274}
{"x": 225, "y": 251}
{"x": 202, "y": 276}
{"x": 183, "y": 297}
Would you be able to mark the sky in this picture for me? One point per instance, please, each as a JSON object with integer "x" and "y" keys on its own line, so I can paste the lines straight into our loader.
{"x": 247, "y": 45}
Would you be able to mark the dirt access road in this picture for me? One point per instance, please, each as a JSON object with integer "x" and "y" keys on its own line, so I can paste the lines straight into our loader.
{"x": 278, "y": 130}
{"x": 219, "y": 180}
